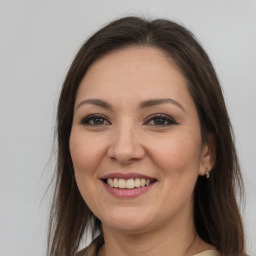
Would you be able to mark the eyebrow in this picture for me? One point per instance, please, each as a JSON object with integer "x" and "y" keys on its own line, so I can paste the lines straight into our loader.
{"x": 143, "y": 104}
{"x": 155, "y": 102}
{"x": 97, "y": 102}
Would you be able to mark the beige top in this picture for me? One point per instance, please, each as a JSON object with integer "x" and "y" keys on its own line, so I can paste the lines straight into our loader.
{"x": 92, "y": 250}
{"x": 208, "y": 253}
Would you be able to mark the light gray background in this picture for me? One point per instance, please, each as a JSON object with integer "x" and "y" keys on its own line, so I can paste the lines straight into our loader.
{"x": 38, "y": 42}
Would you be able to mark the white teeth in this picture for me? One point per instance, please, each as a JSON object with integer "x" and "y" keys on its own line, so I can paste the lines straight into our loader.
{"x": 137, "y": 183}
{"x": 122, "y": 183}
{"x": 116, "y": 183}
{"x": 130, "y": 183}
{"x": 111, "y": 183}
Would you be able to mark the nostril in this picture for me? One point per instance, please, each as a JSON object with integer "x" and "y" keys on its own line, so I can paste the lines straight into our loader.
{"x": 125, "y": 149}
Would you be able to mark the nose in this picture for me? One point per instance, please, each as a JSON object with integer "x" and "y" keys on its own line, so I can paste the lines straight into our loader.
{"x": 126, "y": 145}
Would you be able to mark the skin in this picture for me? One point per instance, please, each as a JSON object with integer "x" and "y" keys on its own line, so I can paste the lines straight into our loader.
{"x": 128, "y": 139}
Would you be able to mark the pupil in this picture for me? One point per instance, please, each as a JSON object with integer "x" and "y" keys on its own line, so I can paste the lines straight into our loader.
{"x": 98, "y": 121}
{"x": 159, "y": 121}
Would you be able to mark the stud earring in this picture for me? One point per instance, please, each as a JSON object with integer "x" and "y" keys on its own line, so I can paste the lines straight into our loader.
{"x": 207, "y": 175}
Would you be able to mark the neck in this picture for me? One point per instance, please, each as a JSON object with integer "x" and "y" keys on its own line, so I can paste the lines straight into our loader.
{"x": 173, "y": 239}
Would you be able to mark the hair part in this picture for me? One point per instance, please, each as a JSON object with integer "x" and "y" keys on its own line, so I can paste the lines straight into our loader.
{"x": 216, "y": 213}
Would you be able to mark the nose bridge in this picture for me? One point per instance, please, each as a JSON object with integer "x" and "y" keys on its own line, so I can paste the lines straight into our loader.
{"x": 125, "y": 144}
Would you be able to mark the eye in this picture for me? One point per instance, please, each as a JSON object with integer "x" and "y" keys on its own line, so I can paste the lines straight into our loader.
{"x": 160, "y": 120}
{"x": 95, "y": 120}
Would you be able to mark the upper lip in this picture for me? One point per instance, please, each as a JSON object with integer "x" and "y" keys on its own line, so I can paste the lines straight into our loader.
{"x": 127, "y": 176}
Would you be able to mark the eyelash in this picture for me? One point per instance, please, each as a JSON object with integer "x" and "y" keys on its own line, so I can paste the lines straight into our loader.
{"x": 165, "y": 118}
{"x": 93, "y": 117}
{"x": 86, "y": 120}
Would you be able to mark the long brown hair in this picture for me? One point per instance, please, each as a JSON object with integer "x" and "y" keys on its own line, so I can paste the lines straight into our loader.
{"x": 216, "y": 213}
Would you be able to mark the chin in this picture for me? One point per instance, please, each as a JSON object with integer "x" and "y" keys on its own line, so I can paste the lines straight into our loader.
{"x": 128, "y": 220}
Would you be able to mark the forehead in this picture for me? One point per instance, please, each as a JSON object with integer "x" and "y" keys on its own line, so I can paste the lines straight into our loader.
{"x": 140, "y": 72}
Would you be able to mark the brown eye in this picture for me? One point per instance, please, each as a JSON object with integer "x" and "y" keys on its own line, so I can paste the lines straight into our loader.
{"x": 161, "y": 120}
{"x": 95, "y": 120}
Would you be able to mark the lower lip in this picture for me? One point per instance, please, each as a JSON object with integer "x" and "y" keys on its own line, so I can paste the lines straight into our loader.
{"x": 127, "y": 193}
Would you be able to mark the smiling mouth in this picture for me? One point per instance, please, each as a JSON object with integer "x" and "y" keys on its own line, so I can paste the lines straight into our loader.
{"x": 128, "y": 183}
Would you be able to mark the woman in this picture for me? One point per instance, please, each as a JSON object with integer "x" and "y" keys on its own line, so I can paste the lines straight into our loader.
{"x": 146, "y": 159}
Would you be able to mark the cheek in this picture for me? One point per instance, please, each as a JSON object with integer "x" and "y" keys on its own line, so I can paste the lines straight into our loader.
{"x": 86, "y": 153}
{"x": 178, "y": 161}
{"x": 177, "y": 154}
{"x": 85, "y": 157}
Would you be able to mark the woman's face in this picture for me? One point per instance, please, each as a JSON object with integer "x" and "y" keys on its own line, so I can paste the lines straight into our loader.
{"x": 135, "y": 141}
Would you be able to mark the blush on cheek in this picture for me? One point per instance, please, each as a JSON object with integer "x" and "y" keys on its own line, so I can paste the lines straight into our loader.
{"x": 87, "y": 149}
{"x": 81, "y": 154}
{"x": 177, "y": 156}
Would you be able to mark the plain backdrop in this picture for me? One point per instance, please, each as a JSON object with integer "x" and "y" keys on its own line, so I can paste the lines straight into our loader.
{"x": 38, "y": 42}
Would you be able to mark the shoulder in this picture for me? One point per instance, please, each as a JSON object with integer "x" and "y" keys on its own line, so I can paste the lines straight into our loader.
{"x": 86, "y": 252}
{"x": 208, "y": 253}
{"x": 92, "y": 249}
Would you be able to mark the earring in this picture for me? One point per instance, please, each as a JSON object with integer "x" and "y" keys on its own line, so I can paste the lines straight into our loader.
{"x": 207, "y": 175}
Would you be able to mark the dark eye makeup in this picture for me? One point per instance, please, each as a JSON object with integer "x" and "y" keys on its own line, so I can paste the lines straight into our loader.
{"x": 95, "y": 120}
{"x": 160, "y": 120}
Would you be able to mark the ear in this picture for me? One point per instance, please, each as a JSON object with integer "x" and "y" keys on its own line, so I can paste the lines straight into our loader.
{"x": 208, "y": 155}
